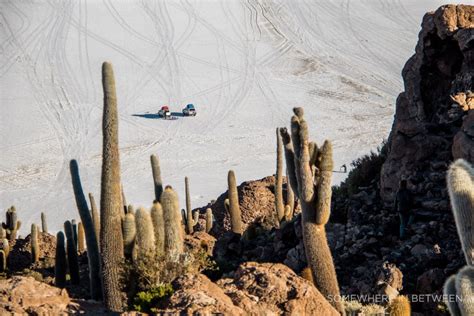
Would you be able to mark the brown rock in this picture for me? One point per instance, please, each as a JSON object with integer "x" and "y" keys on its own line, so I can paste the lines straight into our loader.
{"x": 196, "y": 294}
{"x": 274, "y": 289}
{"x": 257, "y": 205}
{"x": 25, "y": 295}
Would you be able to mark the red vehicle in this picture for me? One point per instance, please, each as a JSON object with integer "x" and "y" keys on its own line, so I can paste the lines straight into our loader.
{"x": 164, "y": 112}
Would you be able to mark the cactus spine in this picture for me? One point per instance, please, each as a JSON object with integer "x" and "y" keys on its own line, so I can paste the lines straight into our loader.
{"x": 460, "y": 180}
{"x": 234, "y": 208}
{"x": 60, "y": 262}
{"x": 89, "y": 222}
{"x": 313, "y": 183}
{"x": 44, "y": 224}
{"x": 72, "y": 253}
{"x": 209, "y": 220}
{"x": 95, "y": 217}
{"x": 129, "y": 232}
{"x": 80, "y": 238}
{"x": 145, "y": 235}
{"x": 158, "y": 227}
{"x": 111, "y": 241}
{"x": 158, "y": 183}
{"x": 174, "y": 235}
{"x": 34, "y": 244}
{"x": 3, "y": 233}
{"x": 279, "y": 206}
{"x": 400, "y": 306}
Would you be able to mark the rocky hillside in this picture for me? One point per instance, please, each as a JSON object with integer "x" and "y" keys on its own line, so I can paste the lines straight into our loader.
{"x": 430, "y": 129}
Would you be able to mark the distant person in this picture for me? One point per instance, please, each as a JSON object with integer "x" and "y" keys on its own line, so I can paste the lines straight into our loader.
{"x": 403, "y": 205}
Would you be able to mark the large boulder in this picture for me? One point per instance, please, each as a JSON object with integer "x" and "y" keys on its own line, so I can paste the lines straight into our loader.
{"x": 274, "y": 289}
{"x": 196, "y": 294}
{"x": 25, "y": 295}
{"x": 427, "y": 119}
{"x": 257, "y": 206}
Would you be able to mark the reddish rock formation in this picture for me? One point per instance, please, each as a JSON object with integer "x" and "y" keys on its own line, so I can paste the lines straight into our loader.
{"x": 196, "y": 294}
{"x": 426, "y": 118}
{"x": 256, "y": 289}
{"x": 25, "y": 295}
{"x": 274, "y": 289}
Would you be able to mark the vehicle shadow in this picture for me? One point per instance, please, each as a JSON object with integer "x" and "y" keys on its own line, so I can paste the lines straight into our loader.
{"x": 178, "y": 114}
{"x": 148, "y": 115}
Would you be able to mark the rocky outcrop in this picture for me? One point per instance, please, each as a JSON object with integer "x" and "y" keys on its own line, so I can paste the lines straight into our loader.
{"x": 20, "y": 255}
{"x": 196, "y": 294}
{"x": 274, "y": 289}
{"x": 254, "y": 289}
{"x": 25, "y": 295}
{"x": 428, "y": 128}
{"x": 257, "y": 206}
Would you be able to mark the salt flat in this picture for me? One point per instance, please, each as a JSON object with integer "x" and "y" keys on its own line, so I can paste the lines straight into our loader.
{"x": 244, "y": 64}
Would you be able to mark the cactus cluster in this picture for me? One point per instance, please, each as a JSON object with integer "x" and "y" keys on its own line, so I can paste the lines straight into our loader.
{"x": 89, "y": 221}
{"x": 309, "y": 172}
{"x": 460, "y": 180}
{"x": 12, "y": 224}
{"x": 72, "y": 259}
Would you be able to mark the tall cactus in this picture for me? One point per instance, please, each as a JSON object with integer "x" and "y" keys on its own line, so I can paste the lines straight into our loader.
{"x": 189, "y": 211}
{"x": 111, "y": 241}
{"x": 174, "y": 235}
{"x": 460, "y": 180}
{"x": 313, "y": 183}
{"x": 209, "y": 220}
{"x": 129, "y": 233}
{"x": 279, "y": 205}
{"x": 80, "y": 238}
{"x": 158, "y": 183}
{"x": 44, "y": 224}
{"x": 234, "y": 208}
{"x": 72, "y": 254}
{"x": 95, "y": 215}
{"x": 145, "y": 235}
{"x": 158, "y": 227}
{"x": 89, "y": 221}
{"x": 60, "y": 262}
{"x": 35, "y": 251}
